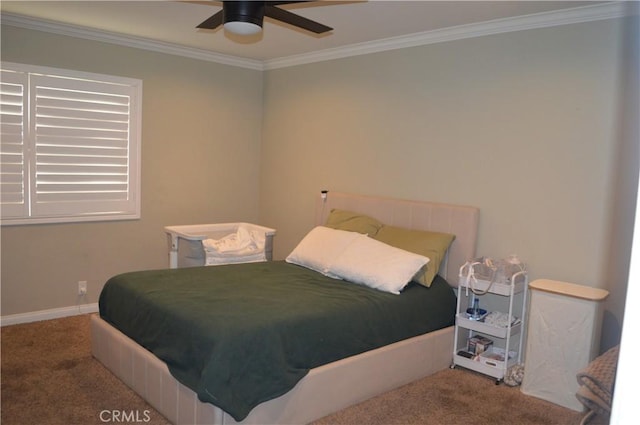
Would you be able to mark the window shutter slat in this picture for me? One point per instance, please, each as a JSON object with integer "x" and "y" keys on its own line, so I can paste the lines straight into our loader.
{"x": 47, "y": 140}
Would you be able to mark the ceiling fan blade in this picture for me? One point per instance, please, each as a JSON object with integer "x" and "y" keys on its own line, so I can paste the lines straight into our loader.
{"x": 293, "y": 19}
{"x": 213, "y": 22}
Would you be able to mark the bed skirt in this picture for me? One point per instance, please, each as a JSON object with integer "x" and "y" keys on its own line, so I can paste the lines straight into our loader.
{"x": 323, "y": 391}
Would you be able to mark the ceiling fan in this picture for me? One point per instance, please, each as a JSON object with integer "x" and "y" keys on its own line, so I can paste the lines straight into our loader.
{"x": 246, "y": 17}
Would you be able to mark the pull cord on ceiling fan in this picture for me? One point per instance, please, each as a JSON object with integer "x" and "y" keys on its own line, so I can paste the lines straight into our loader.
{"x": 246, "y": 17}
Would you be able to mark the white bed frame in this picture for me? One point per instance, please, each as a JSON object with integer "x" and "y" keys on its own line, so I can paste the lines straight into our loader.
{"x": 328, "y": 388}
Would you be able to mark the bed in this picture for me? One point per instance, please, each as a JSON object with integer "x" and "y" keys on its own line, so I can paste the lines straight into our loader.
{"x": 316, "y": 391}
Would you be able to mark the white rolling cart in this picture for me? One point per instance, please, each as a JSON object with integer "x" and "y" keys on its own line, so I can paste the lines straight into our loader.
{"x": 484, "y": 335}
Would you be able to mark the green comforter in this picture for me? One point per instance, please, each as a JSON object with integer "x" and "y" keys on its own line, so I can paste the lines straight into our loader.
{"x": 241, "y": 334}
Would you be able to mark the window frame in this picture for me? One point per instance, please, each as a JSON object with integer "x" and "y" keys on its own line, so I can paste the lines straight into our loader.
{"x": 89, "y": 209}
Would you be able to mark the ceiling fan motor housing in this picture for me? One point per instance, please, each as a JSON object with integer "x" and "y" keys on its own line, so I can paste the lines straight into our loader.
{"x": 246, "y": 17}
{"x": 244, "y": 11}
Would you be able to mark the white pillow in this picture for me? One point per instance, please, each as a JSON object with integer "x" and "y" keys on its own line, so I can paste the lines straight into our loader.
{"x": 377, "y": 265}
{"x": 319, "y": 248}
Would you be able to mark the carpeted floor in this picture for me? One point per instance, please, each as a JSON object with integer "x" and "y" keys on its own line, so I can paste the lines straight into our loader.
{"x": 50, "y": 378}
{"x": 453, "y": 397}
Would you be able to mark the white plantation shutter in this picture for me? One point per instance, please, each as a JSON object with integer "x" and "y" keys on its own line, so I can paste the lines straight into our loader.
{"x": 81, "y": 132}
{"x": 13, "y": 169}
{"x": 82, "y": 147}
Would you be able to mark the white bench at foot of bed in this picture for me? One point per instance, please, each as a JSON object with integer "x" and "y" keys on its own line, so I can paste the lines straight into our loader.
{"x": 324, "y": 390}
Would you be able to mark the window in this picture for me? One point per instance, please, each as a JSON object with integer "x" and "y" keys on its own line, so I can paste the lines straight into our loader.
{"x": 70, "y": 146}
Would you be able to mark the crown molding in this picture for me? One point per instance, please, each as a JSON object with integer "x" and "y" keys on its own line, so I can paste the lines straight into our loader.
{"x": 538, "y": 20}
{"x": 128, "y": 41}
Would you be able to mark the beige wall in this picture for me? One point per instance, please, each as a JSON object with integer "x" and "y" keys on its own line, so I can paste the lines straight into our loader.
{"x": 523, "y": 125}
{"x": 201, "y": 135}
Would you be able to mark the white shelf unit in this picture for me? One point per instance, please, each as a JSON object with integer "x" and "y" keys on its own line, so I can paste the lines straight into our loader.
{"x": 509, "y": 298}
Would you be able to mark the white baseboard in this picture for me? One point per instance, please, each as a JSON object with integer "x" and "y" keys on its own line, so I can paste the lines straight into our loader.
{"x": 55, "y": 313}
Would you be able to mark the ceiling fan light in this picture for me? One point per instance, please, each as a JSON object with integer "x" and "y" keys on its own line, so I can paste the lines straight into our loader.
{"x": 242, "y": 28}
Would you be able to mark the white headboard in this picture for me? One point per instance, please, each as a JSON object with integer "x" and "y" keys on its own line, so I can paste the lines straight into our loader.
{"x": 459, "y": 220}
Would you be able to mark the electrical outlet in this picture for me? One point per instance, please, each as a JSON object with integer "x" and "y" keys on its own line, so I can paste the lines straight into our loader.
{"x": 82, "y": 287}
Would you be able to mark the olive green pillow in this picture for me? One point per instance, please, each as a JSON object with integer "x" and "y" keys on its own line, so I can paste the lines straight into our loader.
{"x": 433, "y": 245}
{"x": 353, "y": 222}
